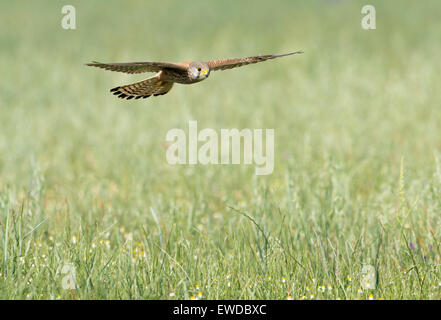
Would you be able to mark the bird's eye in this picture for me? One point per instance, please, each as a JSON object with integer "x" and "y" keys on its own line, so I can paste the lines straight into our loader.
{"x": 199, "y": 69}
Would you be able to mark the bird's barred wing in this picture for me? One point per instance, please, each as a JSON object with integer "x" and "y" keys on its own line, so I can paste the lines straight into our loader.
{"x": 143, "y": 89}
{"x": 234, "y": 63}
{"x": 137, "y": 67}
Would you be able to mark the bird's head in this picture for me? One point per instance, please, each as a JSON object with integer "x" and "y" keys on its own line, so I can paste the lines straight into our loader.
{"x": 198, "y": 71}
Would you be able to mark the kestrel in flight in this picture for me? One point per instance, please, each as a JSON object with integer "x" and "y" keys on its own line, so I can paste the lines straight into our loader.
{"x": 167, "y": 73}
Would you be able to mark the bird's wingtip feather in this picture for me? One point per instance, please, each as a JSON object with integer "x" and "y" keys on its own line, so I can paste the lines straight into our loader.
{"x": 93, "y": 63}
{"x": 288, "y": 54}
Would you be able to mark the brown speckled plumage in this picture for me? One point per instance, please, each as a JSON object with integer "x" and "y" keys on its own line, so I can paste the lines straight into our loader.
{"x": 169, "y": 73}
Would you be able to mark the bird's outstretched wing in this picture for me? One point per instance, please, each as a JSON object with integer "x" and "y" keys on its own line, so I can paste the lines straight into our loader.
{"x": 137, "y": 67}
{"x": 143, "y": 89}
{"x": 234, "y": 63}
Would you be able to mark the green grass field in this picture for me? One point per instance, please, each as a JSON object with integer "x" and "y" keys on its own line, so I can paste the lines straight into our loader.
{"x": 85, "y": 186}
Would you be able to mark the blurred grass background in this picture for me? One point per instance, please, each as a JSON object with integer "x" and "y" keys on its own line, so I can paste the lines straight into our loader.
{"x": 357, "y": 137}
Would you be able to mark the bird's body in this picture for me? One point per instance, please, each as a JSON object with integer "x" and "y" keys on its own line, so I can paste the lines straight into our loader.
{"x": 168, "y": 73}
{"x": 185, "y": 76}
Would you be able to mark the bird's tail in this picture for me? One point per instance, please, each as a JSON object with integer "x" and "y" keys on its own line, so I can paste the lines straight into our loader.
{"x": 143, "y": 89}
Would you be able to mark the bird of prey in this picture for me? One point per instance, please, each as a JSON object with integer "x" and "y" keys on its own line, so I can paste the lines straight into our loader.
{"x": 167, "y": 73}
